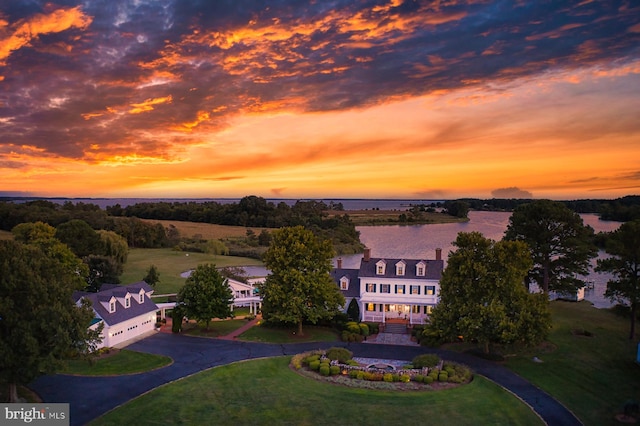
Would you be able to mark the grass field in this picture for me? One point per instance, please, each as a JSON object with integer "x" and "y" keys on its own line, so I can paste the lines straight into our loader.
{"x": 171, "y": 264}
{"x": 122, "y": 362}
{"x": 267, "y": 392}
{"x": 592, "y": 375}
{"x": 207, "y": 231}
{"x": 392, "y": 217}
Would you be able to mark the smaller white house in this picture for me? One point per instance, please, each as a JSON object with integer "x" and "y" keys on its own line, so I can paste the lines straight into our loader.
{"x": 245, "y": 295}
{"x": 127, "y": 312}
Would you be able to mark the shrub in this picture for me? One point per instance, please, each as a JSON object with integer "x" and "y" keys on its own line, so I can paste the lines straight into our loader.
{"x": 387, "y": 377}
{"x": 314, "y": 365}
{"x": 360, "y": 375}
{"x": 353, "y": 327}
{"x": 374, "y": 327}
{"x": 354, "y": 374}
{"x": 340, "y": 354}
{"x": 428, "y": 380}
{"x": 311, "y": 358}
{"x": 352, "y": 362}
{"x": 418, "y": 378}
{"x": 334, "y": 370}
{"x": 404, "y": 378}
{"x": 364, "y": 329}
{"x": 443, "y": 376}
{"x": 324, "y": 370}
{"x": 425, "y": 360}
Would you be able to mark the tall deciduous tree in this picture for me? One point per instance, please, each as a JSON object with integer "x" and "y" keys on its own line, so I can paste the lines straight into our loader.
{"x": 624, "y": 246}
{"x": 482, "y": 297}
{"x": 40, "y": 325}
{"x": 206, "y": 295}
{"x": 80, "y": 237}
{"x": 299, "y": 287}
{"x": 560, "y": 244}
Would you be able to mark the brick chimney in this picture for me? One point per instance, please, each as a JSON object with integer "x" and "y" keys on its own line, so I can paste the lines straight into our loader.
{"x": 367, "y": 254}
{"x": 339, "y": 263}
{"x": 438, "y": 254}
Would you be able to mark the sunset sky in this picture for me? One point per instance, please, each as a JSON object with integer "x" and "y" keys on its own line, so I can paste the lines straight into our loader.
{"x": 343, "y": 98}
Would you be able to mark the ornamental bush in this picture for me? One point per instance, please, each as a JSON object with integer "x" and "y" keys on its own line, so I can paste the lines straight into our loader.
{"x": 342, "y": 355}
{"x": 404, "y": 378}
{"x": 428, "y": 380}
{"x": 364, "y": 329}
{"x": 354, "y": 373}
{"x": 387, "y": 377}
{"x": 443, "y": 376}
{"x": 418, "y": 378}
{"x": 360, "y": 375}
{"x": 324, "y": 370}
{"x": 314, "y": 365}
{"x": 425, "y": 360}
{"x": 353, "y": 327}
{"x": 334, "y": 370}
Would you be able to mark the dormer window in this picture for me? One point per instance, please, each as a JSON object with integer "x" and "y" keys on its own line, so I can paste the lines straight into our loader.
{"x": 421, "y": 269}
{"x": 381, "y": 267}
{"x": 127, "y": 301}
{"x": 344, "y": 283}
{"x": 141, "y": 299}
{"x": 112, "y": 307}
{"x": 400, "y": 266}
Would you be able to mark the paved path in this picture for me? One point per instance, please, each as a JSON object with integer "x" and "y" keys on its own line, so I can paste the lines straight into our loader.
{"x": 90, "y": 397}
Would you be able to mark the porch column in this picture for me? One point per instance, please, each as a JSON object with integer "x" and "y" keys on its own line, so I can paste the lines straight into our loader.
{"x": 410, "y": 314}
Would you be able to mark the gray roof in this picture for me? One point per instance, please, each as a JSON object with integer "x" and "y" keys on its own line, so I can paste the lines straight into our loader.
{"x": 368, "y": 269}
{"x": 354, "y": 282}
{"x": 433, "y": 272}
{"x": 121, "y": 314}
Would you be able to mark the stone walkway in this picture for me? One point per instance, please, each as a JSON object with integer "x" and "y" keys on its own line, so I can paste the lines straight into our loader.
{"x": 391, "y": 339}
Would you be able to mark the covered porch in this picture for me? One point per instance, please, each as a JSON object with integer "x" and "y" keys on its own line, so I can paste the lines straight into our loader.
{"x": 412, "y": 313}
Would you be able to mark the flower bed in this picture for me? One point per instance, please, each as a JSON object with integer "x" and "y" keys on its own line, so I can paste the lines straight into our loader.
{"x": 336, "y": 365}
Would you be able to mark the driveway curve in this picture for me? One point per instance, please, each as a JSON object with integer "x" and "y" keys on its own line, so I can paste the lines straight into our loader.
{"x": 91, "y": 397}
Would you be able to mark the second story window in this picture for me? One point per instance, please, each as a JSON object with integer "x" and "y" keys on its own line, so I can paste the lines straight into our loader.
{"x": 385, "y": 288}
{"x": 399, "y": 289}
{"x": 371, "y": 288}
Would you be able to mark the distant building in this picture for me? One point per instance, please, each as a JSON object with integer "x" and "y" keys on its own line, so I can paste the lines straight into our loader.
{"x": 392, "y": 289}
{"x": 127, "y": 312}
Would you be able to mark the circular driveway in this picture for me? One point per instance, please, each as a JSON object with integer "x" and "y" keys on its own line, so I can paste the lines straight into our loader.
{"x": 91, "y": 397}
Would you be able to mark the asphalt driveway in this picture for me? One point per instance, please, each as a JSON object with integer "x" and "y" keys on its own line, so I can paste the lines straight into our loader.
{"x": 91, "y": 397}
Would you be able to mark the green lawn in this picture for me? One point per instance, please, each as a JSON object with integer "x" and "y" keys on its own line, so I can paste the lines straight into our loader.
{"x": 216, "y": 328}
{"x": 171, "y": 264}
{"x": 122, "y": 362}
{"x": 593, "y": 376}
{"x": 267, "y": 392}
{"x": 288, "y": 334}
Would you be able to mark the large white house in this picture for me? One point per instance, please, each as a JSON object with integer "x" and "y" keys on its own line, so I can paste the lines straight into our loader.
{"x": 398, "y": 289}
{"x": 127, "y": 312}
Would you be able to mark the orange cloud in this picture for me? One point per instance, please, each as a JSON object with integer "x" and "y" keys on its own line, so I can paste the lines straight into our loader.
{"x": 147, "y": 105}
{"x": 23, "y": 32}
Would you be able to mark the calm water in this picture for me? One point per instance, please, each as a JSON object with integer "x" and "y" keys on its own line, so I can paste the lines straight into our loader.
{"x": 420, "y": 241}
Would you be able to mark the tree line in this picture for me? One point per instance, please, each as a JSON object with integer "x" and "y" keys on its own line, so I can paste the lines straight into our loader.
{"x": 250, "y": 211}
{"x": 620, "y": 209}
